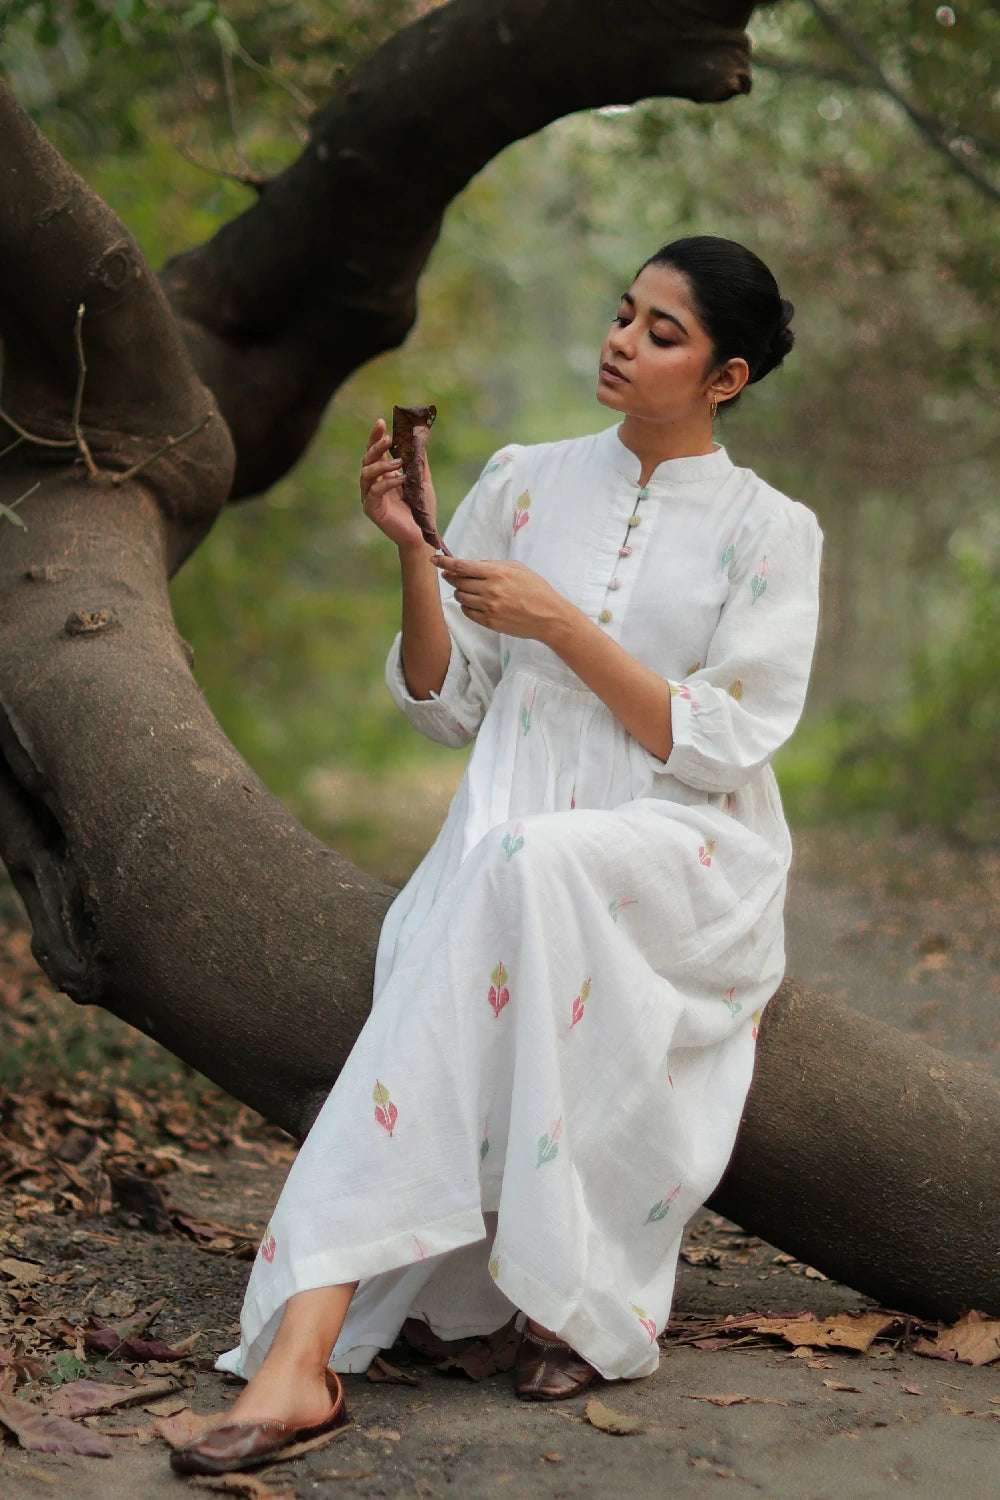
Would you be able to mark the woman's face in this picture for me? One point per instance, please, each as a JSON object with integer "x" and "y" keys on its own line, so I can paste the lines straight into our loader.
{"x": 657, "y": 361}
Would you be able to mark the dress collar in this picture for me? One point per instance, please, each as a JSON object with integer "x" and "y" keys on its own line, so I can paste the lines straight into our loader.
{"x": 698, "y": 468}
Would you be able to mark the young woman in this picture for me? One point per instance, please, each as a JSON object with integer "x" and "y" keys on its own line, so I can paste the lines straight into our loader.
{"x": 567, "y": 991}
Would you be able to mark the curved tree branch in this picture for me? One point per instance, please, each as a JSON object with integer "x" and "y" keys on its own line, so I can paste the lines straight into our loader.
{"x": 276, "y": 319}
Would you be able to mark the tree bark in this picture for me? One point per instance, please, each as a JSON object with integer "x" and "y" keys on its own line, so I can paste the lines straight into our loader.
{"x": 162, "y": 879}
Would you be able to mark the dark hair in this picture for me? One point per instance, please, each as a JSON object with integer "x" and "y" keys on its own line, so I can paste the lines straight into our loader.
{"x": 736, "y": 300}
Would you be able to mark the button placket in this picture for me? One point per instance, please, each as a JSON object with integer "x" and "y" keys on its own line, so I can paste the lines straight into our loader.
{"x": 614, "y": 582}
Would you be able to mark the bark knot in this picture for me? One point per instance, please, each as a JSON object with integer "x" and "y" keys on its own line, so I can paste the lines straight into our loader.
{"x": 91, "y": 621}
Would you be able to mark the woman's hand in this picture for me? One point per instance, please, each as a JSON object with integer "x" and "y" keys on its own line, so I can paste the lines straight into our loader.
{"x": 382, "y": 492}
{"x": 506, "y": 596}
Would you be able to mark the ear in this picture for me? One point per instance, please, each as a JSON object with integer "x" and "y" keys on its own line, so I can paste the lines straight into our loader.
{"x": 728, "y": 380}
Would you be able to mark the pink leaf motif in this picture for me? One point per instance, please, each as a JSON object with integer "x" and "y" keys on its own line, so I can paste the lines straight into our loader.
{"x": 705, "y": 852}
{"x": 555, "y": 1129}
{"x": 498, "y": 993}
{"x": 756, "y": 1023}
{"x": 579, "y": 1003}
{"x": 521, "y": 516}
{"x": 386, "y": 1112}
{"x": 680, "y": 690}
{"x": 268, "y": 1245}
{"x": 619, "y": 904}
{"x": 420, "y": 1250}
{"x": 732, "y": 1004}
{"x": 646, "y": 1322}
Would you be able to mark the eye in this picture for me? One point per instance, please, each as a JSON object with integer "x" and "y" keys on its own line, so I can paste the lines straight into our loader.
{"x": 622, "y": 319}
{"x": 661, "y": 343}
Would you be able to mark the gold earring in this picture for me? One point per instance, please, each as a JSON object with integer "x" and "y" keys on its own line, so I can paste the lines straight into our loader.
{"x": 713, "y": 407}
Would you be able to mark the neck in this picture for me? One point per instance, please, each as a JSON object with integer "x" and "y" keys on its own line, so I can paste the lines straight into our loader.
{"x": 653, "y": 443}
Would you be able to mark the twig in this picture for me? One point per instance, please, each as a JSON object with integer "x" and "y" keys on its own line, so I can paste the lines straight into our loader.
{"x": 170, "y": 443}
{"x": 234, "y": 119}
{"x": 11, "y": 446}
{"x": 31, "y": 437}
{"x": 255, "y": 180}
{"x": 81, "y": 378}
{"x": 9, "y": 512}
{"x": 940, "y": 136}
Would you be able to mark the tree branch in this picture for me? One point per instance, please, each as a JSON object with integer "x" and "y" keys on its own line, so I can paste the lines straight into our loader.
{"x": 277, "y": 314}
{"x": 945, "y": 139}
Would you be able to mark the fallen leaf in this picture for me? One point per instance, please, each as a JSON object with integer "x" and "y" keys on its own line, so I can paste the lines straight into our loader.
{"x": 739, "y": 1400}
{"x": 169, "y": 1407}
{"x": 843, "y": 1331}
{"x": 381, "y": 1434}
{"x": 911, "y": 1390}
{"x": 182, "y": 1427}
{"x": 554, "y": 1458}
{"x": 40, "y": 1433}
{"x": 24, "y": 1272}
{"x": 959, "y": 1411}
{"x": 247, "y": 1485}
{"x": 610, "y": 1419}
{"x": 82, "y": 1398}
{"x": 381, "y": 1371}
{"x": 838, "y": 1385}
{"x": 973, "y": 1340}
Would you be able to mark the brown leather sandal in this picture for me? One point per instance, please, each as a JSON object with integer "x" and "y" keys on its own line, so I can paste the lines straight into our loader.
{"x": 549, "y": 1370}
{"x": 246, "y": 1445}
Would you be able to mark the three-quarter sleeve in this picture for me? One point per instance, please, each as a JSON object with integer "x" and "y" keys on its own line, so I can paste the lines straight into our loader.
{"x": 482, "y": 527}
{"x": 731, "y": 714}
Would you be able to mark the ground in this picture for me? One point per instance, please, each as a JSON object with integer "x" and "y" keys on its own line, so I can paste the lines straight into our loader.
{"x": 903, "y": 927}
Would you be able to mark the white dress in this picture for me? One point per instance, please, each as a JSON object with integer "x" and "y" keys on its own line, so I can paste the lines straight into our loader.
{"x": 567, "y": 991}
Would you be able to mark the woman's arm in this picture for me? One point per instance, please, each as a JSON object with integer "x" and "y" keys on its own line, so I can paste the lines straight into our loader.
{"x": 426, "y": 645}
{"x": 513, "y": 599}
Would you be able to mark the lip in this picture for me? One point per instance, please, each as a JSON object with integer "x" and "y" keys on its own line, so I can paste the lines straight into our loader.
{"x": 609, "y": 372}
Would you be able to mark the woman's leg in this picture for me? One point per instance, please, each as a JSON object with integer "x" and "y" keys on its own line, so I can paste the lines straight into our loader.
{"x": 290, "y": 1385}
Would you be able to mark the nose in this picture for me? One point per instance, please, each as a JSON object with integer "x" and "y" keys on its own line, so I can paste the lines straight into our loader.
{"x": 620, "y": 340}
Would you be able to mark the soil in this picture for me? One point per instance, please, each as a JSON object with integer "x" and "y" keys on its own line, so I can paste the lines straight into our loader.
{"x": 904, "y": 928}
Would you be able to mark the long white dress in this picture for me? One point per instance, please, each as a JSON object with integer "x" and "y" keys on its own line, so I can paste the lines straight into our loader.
{"x": 567, "y": 991}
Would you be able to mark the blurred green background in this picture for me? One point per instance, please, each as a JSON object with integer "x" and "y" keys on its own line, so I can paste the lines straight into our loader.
{"x": 883, "y": 232}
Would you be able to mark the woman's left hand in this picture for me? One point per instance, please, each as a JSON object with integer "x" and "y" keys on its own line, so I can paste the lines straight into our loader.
{"x": 505, "y": 596}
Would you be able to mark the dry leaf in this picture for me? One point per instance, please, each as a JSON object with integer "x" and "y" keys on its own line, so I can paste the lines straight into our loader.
{"x": 381, "y": 1371}
{"x": 554, "y": 1458}
{"x": 82, "y": 1398}
{"x": 23, "y": 1272}
{"x": 182, "y": 1427}
{"x": 838, "y": 1385}
{"x": 380, "y": 1434}
{"x": 40, "y": 1433}
{"x": 973, "y": 1340}
{"x": 609, "y": 1419}
{"x": 843, "y": 1331}
{"x": 911, "y": 1390}
{"x": 247, "y": 1485}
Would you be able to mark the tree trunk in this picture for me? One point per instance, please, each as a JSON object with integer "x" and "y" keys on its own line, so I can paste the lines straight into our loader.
{"x": 162, "y": 879}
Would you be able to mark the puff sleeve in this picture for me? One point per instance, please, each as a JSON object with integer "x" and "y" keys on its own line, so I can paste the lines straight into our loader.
{"x": 731, "y": 714}
{"x": 482, "y": 527}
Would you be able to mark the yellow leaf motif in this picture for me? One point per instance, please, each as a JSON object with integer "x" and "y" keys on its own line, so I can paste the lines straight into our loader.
{"x": 736, "y": 690}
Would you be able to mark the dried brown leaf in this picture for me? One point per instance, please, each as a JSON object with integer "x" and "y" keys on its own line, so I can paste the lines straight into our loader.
{"x": 973, "y": 1340}
{"x": 838, "y": 1385}
{"x": 843, "y": 1331}
{"x": 380, "y": 1371}
{"x": 247, "y": 1485}
{"x": 610, "y": 1419}
{"x": 41, "y": 1433}
{"x": 182, "y": 1427}
{"x": 83, "y": 1398}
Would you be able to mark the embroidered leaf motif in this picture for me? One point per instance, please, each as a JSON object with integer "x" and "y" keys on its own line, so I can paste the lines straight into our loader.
{"x": 497, "y": 463}
{"x": 506, "y": 660}
{"x": 705, "y": 852}
{"x": 756, "y": 1023}
{"x": 268, "y": 1245}
{"x": 679, "y": 690}
{"x": 727, "y": 557}
{"x": 646, "y": 1322}
{"x": 386, "y": 1112}
{"x": 579, "y": 1003}
{"x": 548, "y": 1144}
{"x": 731, "y": 1002}
{"x": 494, "y": 1266}
{"x": 420, "y": 1250}
{"x": 729, "y": 802}
{"x": 758, "y": 583}
{"x": 619, "y": 904}
{"x": 498, "y": 994}
{"x": 694, "y": 667}
{"x": 484, "y": 1146}
{"x": 529, "y": 699}
{"x": 736, "y": 690}
{"x": 514, "y": 840}
{"x": 660, "y": 1209}
{"x": 521, "y": 517}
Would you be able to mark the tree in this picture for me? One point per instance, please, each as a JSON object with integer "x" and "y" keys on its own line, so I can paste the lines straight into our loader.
{"x": 162, "y": 879}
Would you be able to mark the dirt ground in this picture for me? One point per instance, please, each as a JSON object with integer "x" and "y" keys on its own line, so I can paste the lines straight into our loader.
{"x": 904, "y": 928}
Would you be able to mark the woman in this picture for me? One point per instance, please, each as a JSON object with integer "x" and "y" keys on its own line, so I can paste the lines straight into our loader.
{"x": 567, "y": 991}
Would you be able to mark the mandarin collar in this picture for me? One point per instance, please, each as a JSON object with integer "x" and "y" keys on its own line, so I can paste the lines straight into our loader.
{"x": 697, "y": 468}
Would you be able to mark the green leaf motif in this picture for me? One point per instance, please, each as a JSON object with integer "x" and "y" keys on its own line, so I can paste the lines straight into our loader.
{"x": 728, "y": 556}
{"x": 547, "y": 1150}
{"x": 484, "y": 1147}
{"x": 758, "y": 586}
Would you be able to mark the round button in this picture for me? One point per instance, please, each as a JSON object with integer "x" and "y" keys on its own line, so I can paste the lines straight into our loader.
{"x": 643, "y": 493}
{"x": 635, "y": 520}
{"x": 605, "y": 616}
{"x": 614, "y": 583}
{"x": 624, "y": 551}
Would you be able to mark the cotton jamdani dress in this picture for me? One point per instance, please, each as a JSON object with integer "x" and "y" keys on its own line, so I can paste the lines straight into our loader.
{"x": 567, "y": 990}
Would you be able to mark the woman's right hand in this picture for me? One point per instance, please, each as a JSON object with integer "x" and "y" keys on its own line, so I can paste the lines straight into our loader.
{"x": 382, "y": 492}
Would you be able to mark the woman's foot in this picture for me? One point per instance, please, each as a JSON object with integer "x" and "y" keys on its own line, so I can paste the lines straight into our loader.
{"x": 244, "y": 1442}
{"x": 546, "y": 1368}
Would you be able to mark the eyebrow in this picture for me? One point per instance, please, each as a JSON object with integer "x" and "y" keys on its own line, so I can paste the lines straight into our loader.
{"x": 657, "y": 313}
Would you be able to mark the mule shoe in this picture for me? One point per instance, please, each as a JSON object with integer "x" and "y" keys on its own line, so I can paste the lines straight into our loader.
{"x": 549, "y": 1370}
{"x": 245, "y": 1445}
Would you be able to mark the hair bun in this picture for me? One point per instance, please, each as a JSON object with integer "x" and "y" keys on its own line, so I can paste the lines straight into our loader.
{"x": 779, "y": 344}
